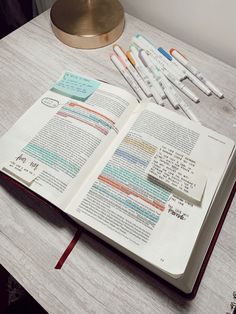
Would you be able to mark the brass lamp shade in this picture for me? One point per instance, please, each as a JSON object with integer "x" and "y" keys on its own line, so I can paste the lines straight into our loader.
{"x": 87, "y": 23}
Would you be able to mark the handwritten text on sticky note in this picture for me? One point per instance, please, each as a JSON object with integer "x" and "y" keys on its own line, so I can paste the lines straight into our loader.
{"x": 23, "y": 167}
{"x": 75, "y": 86}
{"x": 178, "y": 171}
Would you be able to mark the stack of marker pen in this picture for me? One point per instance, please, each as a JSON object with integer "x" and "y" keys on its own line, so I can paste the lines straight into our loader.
{"x": 153, "y": 72}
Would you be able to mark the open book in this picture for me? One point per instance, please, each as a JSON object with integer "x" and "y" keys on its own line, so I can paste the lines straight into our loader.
{"x": 95, "y": 152}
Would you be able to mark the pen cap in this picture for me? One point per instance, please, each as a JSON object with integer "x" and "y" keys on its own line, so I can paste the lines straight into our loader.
{"x": 165, "y": 53}
{"x": 146, "y": 43}
{"x": 134, "y": 49}
{"x": 120, "y": 52}
{"x": 130, "y": 57}
{"x": 143, "y": 57}
{"x": 118, "y": 62}
{"x": 178, "y": 56}
{"x": 137, "y": 43}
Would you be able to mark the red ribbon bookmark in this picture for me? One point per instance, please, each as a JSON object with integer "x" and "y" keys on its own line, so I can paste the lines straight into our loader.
{"x": 68, "y": 250}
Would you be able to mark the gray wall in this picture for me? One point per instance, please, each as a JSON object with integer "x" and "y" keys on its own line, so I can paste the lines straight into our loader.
{"x": 209, "y": 25}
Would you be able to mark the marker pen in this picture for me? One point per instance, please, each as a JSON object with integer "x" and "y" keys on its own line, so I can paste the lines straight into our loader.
{"x": 176, "y": 99}
{"x": 123, "y": 70}
{"x": 185, "y": 62}
{"x": 176, "y": 82}
{"x": 198, "y": 83}
{"x": 154, "y": 83}
{"x": 173, "y": 67}
{"x": 186, "y": 109}
{"x": 140, "y": 71}
{"x": 167, "y": 88}
{"x": 145, "y": 45}
{"x": 194, "y": 79}
{"x": 170, "y": 89}
{"x": 173, "y": 61}
{"x": 131, "y": 69}
{"x": 144, "y": 74}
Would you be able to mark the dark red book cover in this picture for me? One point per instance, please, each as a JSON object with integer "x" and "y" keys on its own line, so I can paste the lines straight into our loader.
{"x": 9, "y": 184}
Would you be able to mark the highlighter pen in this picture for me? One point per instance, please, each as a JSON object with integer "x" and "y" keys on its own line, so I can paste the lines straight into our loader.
{"x": 173, "y": 67}
{"x": 140, "y": 70}
{"x": 123, "y": 70}
{"x": 194, "y": 79}
{"x": 118, "y": 50}
{"x": 186, "y": 109}
{"x": 173, "y": 61}
{"x": 177, "y": 83}
{"x": 169, "y": 88}
{"x": 140, "y": 44}
{"x": 189, "y": 75}
{"x": 159, "y": 77}
{"x": 148, "y": 46}
{"x": 143, "y": 73}
{"x": 185, "y": 62}
{"x": 153, "y": 81}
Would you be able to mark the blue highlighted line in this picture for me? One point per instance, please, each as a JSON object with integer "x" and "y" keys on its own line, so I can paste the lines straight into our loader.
{"x": 130, "y": 204}
{"x": 52, "y": 159}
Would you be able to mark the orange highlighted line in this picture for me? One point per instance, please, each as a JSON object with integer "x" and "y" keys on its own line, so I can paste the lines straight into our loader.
{"x": 128, "y": 191}
{"x": 100, "y": 129}
{"x": 99, "y": 114}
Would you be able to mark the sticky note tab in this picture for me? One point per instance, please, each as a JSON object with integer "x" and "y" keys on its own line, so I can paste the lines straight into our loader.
{"x": 23, "y": 167}
{"x": 75, "y": 86}
{"x": 185, "y": 176}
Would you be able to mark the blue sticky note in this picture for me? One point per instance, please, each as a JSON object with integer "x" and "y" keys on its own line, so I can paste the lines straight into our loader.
{"x": 75, "y": 86}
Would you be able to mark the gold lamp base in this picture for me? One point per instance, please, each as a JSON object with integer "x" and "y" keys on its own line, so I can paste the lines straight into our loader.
{"x": 87, "y": 23}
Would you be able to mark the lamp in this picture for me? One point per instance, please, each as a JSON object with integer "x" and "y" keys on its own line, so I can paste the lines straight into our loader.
{"x": 87, "y": 23}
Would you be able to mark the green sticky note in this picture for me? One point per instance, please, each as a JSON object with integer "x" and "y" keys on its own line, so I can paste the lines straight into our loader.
{"x": 75, "y": 86}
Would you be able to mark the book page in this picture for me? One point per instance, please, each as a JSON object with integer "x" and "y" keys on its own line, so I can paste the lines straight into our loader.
{"x": 64, "y": 133}
{"x": 140, "y": 215}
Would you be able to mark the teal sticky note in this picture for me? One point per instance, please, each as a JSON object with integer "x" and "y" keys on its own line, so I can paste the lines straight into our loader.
{"x": 75, "y": 86}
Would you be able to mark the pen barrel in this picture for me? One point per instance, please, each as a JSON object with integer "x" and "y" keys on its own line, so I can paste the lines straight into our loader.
{"x": 190, "y": 94}
{"x": 169, "y": 90}
{"x": 150, "y": 83}
{"x": 128, "y": 77}
{"x": 157, "y": 86}
{"x": 181, "y": 86}
{"x": 146, "y": 60}
{"x": 144, "y": 44}
{"x": 190, "y": 114}
{"x": 199, "y": 84}
{"x": 170, "y": 95}
{"x": 137, "y": 75}
{"x": 192, "y": 69}
{"x": 210, "y": 85}
{"x": 157, "y": 97}
{"x": 168, "y": 65}
{"x": 215, "y": 90}
{"x": 180, "y": 58}
{"x": 190, "y": 75}
{"x": 186, "y": 109}
{"x": 120, "y": 53}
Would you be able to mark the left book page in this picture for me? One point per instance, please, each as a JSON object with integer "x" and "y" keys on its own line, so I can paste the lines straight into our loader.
{"x": 55, "y": 144}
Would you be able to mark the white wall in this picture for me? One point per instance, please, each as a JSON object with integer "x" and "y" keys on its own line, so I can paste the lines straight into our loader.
{"x": 209, "y": 25}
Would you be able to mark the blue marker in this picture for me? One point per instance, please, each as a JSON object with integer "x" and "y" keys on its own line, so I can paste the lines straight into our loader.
{"x": 166, "y": 54}
{"x": 173, "y": 61}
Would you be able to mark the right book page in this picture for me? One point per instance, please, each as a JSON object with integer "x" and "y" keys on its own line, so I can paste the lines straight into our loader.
{"x": 141, "y": 215}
